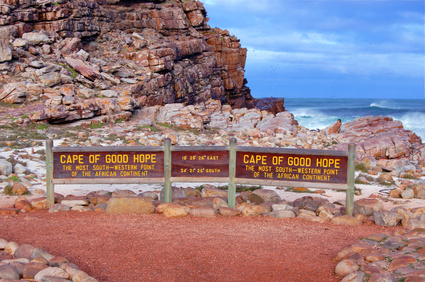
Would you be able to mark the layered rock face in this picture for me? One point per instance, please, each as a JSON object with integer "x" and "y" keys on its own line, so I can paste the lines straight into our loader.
{"x": 89, "y": 58}
{"x": 379, "y": 138}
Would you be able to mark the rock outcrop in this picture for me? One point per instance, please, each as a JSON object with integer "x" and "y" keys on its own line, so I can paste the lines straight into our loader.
{"x": 380, "y": 138}
{"x": 89, "y": 58}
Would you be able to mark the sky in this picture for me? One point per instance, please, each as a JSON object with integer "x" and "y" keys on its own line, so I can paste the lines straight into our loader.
{"x": 328, "y": 48}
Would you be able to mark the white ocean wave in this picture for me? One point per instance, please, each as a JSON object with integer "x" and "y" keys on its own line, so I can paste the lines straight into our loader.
{"x": 414, "y": 121}
{"x": 313, "y": 119}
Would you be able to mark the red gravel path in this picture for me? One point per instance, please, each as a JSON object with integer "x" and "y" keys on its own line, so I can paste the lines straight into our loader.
{"x": 142, "y": 247}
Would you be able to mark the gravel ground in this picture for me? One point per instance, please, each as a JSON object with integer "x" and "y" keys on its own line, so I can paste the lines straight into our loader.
{"x": 151, "y": 247}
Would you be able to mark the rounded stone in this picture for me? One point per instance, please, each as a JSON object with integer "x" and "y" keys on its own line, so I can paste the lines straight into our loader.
{"x": 252, "y": 210}
{"x": 24, "y": 251}
{"x": 202, "y": 212}
{"x": 51, "y": 271}
{"x": 282, "y": 214}
{"x": 11, "y": 247}
{"x": 345, "y": 267}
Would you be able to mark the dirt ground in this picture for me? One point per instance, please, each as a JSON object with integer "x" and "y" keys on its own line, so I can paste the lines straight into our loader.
{"x": 152, "y": 247}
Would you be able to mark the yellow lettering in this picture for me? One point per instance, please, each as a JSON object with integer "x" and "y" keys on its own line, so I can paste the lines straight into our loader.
{"x": 94, "y": 158}
{"x": 277, "y": 160}
{"x": 144, "y": 158}
{"x": 299, "y": 161}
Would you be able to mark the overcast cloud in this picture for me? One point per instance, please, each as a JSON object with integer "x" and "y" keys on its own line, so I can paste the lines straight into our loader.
{"x": 375, "y": 46}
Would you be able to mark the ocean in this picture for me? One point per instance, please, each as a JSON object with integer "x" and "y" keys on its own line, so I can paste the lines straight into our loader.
{"x": 318, "y": 113}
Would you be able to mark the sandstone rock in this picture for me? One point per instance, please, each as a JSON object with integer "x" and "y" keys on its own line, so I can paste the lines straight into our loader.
{"x": 79, "y": 276}
{"x": 59, "y": 208}
{"x": 5, "y": 50}
{"x": 22, "y": 204}
{"x": 395, "y": 193}
{"x": 272, "y": 105}
{"x": 39, "y": 203}
{"x": 19, "y": 169}
{"x": 408, "y": 194}
{"x": 175, "y": 193}
{"x": 75, "y": 201}
{"x": 36, "y": 38}
{"x": 333, "y": 128}
{"x": 356, "y": 276}
{"x": 401, "y": 262}
{"x": 70, "y": 268}
{"x": 31, "y": 269}
{"x": 202, "y": 212}
{"x": 51, "y": 271}
{"x": 191, "y": 192}
{"x": 346, "y": 220}
{"x": 376, "y": 277}
{"x": 413, "y": 223}
{"x": 219, "y": 202}
{"x": 58, "y": 261}
{"x": 170, "y": 210}
{"x": 386, "y": 178}
{"x": 5, "y": 167}
{"x": 282, "y": 214}
{"x": 11, "y": 247}
{"x": 387, "y": 218}
{"x": 150, "y": 194}
{"x": 7, "y": 211}
{"x": 367, "y": 206}
{"x": 346, "y": 267}
{"x": 3, "y": 243}
{"x": 19, "y": 188}
{"x": 123, "y": 193}
{"x": 229, "y": 212}
{"x": 213, "y": 192}
{"x": 264, "y": 195}
{"x": 123, "y": 205}
{"x": 252, "y": 210}
{"x": 278, "y": 207}
{"x": 8, "y": 272}
{"x": 40, "y": 253}
{"x": 419, "y": 191}
{"x": 24, "y": 251}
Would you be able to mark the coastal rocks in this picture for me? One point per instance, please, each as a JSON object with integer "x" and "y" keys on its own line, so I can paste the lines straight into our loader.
{"x": 172, "y": 56}
{"x": 383, "y": 257}
{"x": 379, "y": 137}
{"x": 30, "y": 263}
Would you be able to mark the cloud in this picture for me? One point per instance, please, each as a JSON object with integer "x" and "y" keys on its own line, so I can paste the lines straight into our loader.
{"x": 365, "y": 39}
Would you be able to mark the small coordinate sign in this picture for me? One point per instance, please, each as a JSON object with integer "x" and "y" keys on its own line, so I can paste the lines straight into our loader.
{"x": 200, "y": 164}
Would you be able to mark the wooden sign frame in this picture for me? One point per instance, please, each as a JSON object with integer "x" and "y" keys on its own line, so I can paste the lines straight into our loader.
{"x": 325, "y": 169}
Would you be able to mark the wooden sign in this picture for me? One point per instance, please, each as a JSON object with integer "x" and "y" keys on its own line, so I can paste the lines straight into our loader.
{"x": 101, "y": 164}
{"x": 291, "y": 167}
{"x": 231, "y": 164}
{"x": 200, "y": 164}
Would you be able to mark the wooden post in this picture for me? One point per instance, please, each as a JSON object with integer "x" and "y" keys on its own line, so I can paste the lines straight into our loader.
{"x": 49, "y": 174}
{"x": 231, "y": 194}
{"x": 168, "y": 197}
{"x": 351, "y": 165}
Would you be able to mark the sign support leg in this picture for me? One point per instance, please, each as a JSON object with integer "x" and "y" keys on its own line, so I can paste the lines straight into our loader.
{"x": 49, "y": 174}
{"x": 231, "y": 196}
{"x": 350, "y": 178}
{"x": 168, "y": 198}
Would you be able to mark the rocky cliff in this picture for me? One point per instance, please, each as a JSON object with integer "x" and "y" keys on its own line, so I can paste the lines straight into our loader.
{"x": 80, "y": 59}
